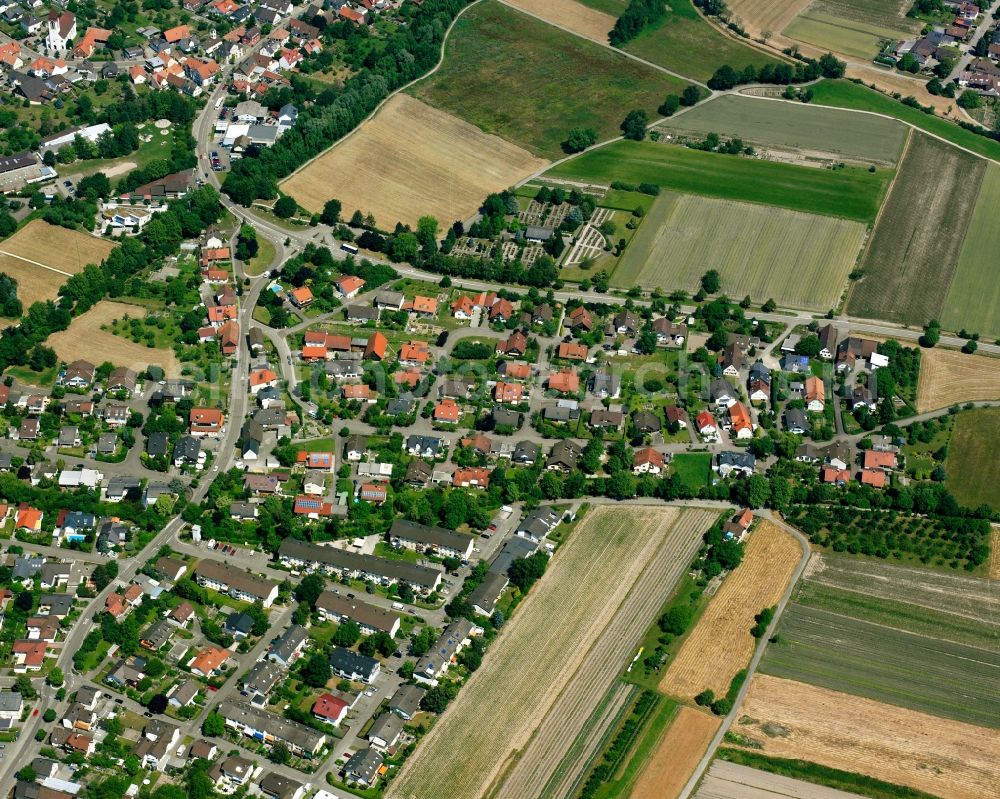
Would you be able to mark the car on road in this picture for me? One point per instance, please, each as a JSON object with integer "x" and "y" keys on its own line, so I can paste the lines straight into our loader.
{"x": 36, "y": 712}
{"x": 67, "y": 183}
{"x": 350, "y": 596}
{"x": 148, "y": 715}
{"x": 119, "y": 702}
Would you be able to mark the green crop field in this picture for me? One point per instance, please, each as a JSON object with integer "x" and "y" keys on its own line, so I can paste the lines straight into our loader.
{"x": 686, "y": 43}
{"x": 850, "y": 27}
{"x": 530, "y": 83}
{"x": 914, "y": 249}
{"x": 693, "y": 468}
{"x": 972, "y": 467}
{"x": 887, "y": 664}
{"x": 801, "y": 127}
{"x": 799, "y": 260}
{"x": 974, "y": 299}
{"x": 850, "y": 193}
{"x": 845, "y": 94}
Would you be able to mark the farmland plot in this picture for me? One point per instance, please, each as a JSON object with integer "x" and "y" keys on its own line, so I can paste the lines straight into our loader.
{"x": 550, "y": 81}
{"x": 569, "y": 14}
{"x": 972, "y": 467}
{"x": 721, "y": 644}
{"x": 948, "y": 759}
{"x": 851, "y": 27}
{"x": 949, "y": 377}
{"x": 757, "y": 16}
{"x": 849, "y": 193}
{"x": 40, "y": 257}
{"x": 914, "y": 249}
{"x": 887, "y": 664}
{"x": 809, "y": 128}
{"x": 399, "y": 178}
{"x": 801, "y": 260}
{"x": 974, "y": 299}
{"x": 677, "y": 755}
{"x": 734, "y": 781}
{"x": 557, "y": 657}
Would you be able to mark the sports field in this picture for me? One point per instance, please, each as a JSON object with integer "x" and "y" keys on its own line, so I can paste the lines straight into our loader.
{"x": 799, "y": 260}
{"x": 40, "y": 257}
{"x": 686, "y": 43}
{"x": 973, "y": 302}
{"x": 972, "y": 467}
{"x": 851, "y": 27}
{"x": 911, "y": 258}
{"x": 550, "y": 81}
{"x": 849, "y": 193}
{"x": 844, "y": 94}
{"x": 887, "y": 663}
{"x": 399, "y": 178}
{"x": 574, "y": 16}
{"x": 557, "y": 657}
{"x": 947, "y": 759}
{"x": 950, "y": 377}
{"x": 721, "y": 644}
{"x": 806, "y": 128}
{"x": 677, "y": 755}
{"x": 84, "y": 337}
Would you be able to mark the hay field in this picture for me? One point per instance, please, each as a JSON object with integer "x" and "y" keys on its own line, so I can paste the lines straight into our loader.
{"x": 948, "y": 759}
{"x": 677, "y": 755}
{"x": 799, "y": 260}
{"x": 994, "y": 571}
{"x": 973, "y": 301}
{"x": 950, "y": 377}
{"x": 720, "y": 644}
{"x": 972, "y": 467}
{"x": 849, "y": 193}
{"x": 557, "y": 657}
{"x": 530, "y": 83}
{"x": 569, "y": 14}
{"x": 84, "y": 338}
{"x": 758, "y": 16}
{"x": 806, "y": 128}
{"x": 408, "y": 161}
{"x": 41, "y": 256}
{"x": 913, "y": 252}
{"x": 685, "y": 42}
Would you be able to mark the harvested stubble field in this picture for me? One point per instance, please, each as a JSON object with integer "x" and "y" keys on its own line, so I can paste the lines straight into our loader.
{"x": 686, "y": 43}
{"x": 677, "y": 755}
{"x": 799, "y": 260}
{"x": 913, "y": 252}
{"x": 959, "y": 608}
{"x": 807, "y": 128}
{"x": 950, "y": 377}
{"x": 945, "y": 758}
{"x": 85, "y": 336}
{"x": 569, "y": 14}
{"x": 733, "y": 781}
{"x": 550, "y": 81}
{"x": 995, "y": 554}
{"x": 849, "y": 193}
{"x": 557, "y": 657}
{"x": 40, "y": 257}
{"x": 974, "y": 299}
{"x": 887, "y": 663}
{"x": 972, "y": 466}
{"x": 399, "y": 176}
{"x": 720, "y": 644}
{"x": 757, "y": 16}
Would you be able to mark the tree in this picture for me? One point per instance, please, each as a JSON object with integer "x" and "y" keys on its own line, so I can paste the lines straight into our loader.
{"x": 711, "y": 282}
{"x": 676, "y": 620}
{"x": 932, "y": 334}
{"x": 580, "y": 139}
{"x": 280, "y": 753}
{"x": 49, "y": 716}
{"x": 523, "y": 572}
{"x": 758, "y": 491}
{"x": 27, "y": 773}
{"x": 670, "y": 105}
{"x": 55, "y": 678}
{"x": 285, "y": 207}
{"x": 24, "y": 687}
{"x": 970, "y": 99}
{"x": 347, "y": 634}
{"x": 315, "y": 672}
{"x": 437, "y": 698}
{"x": 308, "y": 591}
{"x": 634, "y": 125}
{"x": 705, "y": 698}
{"x": 690, "y": 96}
{"x": 157, "y": 704}
{"x": 24, "y": 601}
{"x": 331, "y": 212}
{"x": 213, "y": 725}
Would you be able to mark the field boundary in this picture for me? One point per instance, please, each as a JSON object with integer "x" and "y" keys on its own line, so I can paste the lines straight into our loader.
{"x": 758, "y": 654}
{"x": 36, "y": 263}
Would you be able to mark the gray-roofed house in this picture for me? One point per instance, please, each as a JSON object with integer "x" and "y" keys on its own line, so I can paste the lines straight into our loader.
{"x": 405, "y": 702}
{"x": 796, "y": 421}
{"x": 484, "y": 597}
{"x": 363, "y": 767}
{"x": 263, "y": 677}
{"x": 423, "y": 537}
{"x": 385, "y": 732}
{"x": 735, "y": 461}
{"x": 438, "y": 660}
{"x": 287, "y": 648}
{"x": 352, "y": 666}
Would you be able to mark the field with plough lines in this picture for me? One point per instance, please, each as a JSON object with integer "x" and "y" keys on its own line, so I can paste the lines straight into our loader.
{"x": 557, "y": 657}
{"x": 799, "y": 260}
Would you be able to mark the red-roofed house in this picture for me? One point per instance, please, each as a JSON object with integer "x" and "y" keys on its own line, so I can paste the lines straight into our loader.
{"x": 475, "y": 477}
{"x": 330, "y": 709}
{"x": 874, "y": 477}
{"x": 29, "y": 518}
{"x": 422, "y": 306}
{"x": 261, "y": 378}
{"x": 706, "y": 424}
{"x": 414, "y": 353}
{"x": 301, "y": 297}
{"x": 447, "y": 411}
{"x": 815, "y": 395}
{"x": 879, "y": 460}
{"x": 647, "y": 461}
{"x": 28, "y": 655}
{"x": 174, "y": 35}
{"x": 348, "y": 285}
{"x": 314, "y": 352}
{"x": 739, "y": 420}
{"x": 566, "y": 381}
{"x": 376, "y": 347}
{"x": 374, "y": 493}
{"x": 206, "y": 421}
{"x": 571, "y": 351}
{"x": 514, "y": 346}
{"x": 312, "y": 507}
{"x": 508, "y": 392}
{"x": 830, "y": 474}
{"x": 316, "y": 460}
{"x": 209, "y": 661}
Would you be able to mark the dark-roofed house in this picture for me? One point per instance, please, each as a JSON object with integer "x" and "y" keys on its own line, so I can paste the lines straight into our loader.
{"x": 352, "y": 666}
{"x": 385, "y": 732}
{"x": 484, "y": 597}
{"x": 405, "y": 703}
{"x": 277, "y": 786}
{"x": 363, "y": 766}
{"x": 239, "y": 584}
{"x": 438, "y": 540}
{"x": 735, "y": 461}
{"x": 439, "y": 659}
{"x": 370, "y": 618}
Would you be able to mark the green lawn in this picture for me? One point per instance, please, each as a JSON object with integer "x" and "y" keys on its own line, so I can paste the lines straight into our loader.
{"x": 685, "y": 42}
{"x": 845, "y": 94}
{"x": 262, "y": 260}
{"x": 850, "y": 193}
{"x": 550, "y": 81}
{"x": 694, "y": 468}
